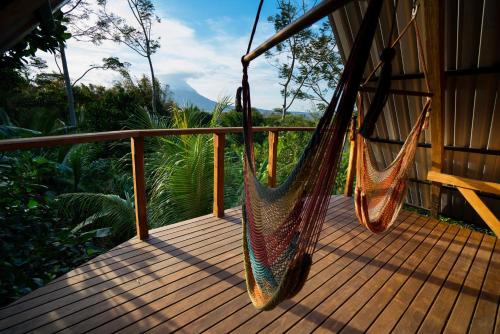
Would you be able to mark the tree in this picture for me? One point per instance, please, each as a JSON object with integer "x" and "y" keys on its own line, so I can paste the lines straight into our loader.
{"x": 138, "y": 38}
{"x": 82, "y": 21}
{"x": 308, "y": 62}
{"x": 109, "y": 63}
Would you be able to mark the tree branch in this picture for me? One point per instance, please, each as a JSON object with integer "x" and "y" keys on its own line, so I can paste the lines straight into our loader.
{"x": 69, "y": 11}
{"x": 57, "y": 64}
{"x": 306, "y": 76}
{"x": 87, "y": 71}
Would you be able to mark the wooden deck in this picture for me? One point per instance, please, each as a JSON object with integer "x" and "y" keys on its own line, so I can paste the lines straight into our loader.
{"x": 421, "y": 276}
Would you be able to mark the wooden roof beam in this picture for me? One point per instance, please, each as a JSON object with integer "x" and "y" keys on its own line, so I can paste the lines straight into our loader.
{"x": 434, "y": 50}
{"x": 486, "y": 70}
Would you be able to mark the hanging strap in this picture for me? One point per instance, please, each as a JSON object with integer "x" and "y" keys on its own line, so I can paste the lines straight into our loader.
{"x": 255, "y": 22}
{"x": 381, "y": 93}
{"x": 383, "y": 82}
{"x": 243, "y": 103}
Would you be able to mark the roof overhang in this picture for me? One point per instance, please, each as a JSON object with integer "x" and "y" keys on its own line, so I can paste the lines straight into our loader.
{"x": 19, "y": 17}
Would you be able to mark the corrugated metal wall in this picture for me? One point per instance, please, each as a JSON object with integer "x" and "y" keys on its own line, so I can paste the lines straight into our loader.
{"x": 472, "y": 110}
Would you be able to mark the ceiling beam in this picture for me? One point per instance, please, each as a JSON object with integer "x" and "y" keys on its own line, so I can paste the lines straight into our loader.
{"x": 487, "y": 70}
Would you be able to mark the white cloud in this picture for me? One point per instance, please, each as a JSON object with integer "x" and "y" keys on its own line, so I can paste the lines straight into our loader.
{"x": 211, "y": 65}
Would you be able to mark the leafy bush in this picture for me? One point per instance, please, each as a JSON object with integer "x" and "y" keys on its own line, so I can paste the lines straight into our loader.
{"x": 36, "y": 246}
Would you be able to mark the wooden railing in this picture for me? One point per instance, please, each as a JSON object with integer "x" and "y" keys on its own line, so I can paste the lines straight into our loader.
{"x": 137, "y": 148}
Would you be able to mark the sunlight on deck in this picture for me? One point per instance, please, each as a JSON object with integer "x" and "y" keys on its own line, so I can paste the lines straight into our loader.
{"x": 188, "y": 277}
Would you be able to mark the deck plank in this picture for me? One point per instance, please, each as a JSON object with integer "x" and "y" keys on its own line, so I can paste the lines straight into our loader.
{"x": 368, "y": 281}
{"x": 314, "y": 273}
{"x": 483, "y": 320}
{"x": 419, "y": 291}
{"x": 465, "y": 304}
{"x": 151, "y": 291}
{"x": 166, "y": 308}
{"x": 376, "y": 304}
{"x": 188, "y": 278}
{"x": 380, "y": 265}
{"x": 69, "y": 286}
{"x": 322, "y": 258}
{"x": 332, "y": 281}
{"x": 439, "y": 312}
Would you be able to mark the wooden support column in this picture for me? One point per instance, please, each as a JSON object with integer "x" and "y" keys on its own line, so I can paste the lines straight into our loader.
{"x": 137, "y": 148}
{"x": 434, "y": 35}
{"x": 351, "y": 167}
{"x": 273, "y": 153}
{"x": 219, "y": 143}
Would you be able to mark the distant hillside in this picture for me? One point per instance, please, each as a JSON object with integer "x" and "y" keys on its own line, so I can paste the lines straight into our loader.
{"x": 183, "y": 94}
{"x": 187, "y": 95}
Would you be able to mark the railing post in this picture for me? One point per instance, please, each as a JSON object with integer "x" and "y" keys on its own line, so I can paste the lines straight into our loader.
{"x": 273, "y": 152}
{"x": 351, "y": 167}
{"x": 137, "y": 148}
{"x": 219, "y": 142}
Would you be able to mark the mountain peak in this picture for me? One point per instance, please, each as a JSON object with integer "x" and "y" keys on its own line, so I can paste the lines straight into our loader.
{"x": 183, "y": 94}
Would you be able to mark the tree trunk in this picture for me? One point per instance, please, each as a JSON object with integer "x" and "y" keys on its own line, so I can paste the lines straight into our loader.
{"x": 154, "y": 89}
{"x": 283, "y": 110}
{"x": 69, "y": 87}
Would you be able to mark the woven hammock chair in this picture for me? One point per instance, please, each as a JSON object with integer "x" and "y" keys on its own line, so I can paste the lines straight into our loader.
{"x": 380, "y": 193}
{"x": 281, "y": 226}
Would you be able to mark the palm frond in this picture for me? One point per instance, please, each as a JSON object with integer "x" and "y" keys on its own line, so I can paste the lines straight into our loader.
{"x": 144, "y": 119}
{"x": 99, "y": 211}
{"x": 222, "y": 104}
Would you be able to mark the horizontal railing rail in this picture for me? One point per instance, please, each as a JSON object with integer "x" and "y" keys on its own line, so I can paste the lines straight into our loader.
{"x": 136, "y": 138}
{"x": 51, "y": 141}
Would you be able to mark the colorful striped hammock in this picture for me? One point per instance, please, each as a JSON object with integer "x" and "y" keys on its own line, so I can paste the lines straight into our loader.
{"x": 281, "y": 225}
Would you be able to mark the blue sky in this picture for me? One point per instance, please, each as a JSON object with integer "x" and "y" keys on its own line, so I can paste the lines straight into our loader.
{"x": 240, "y": 14}
{"x": 201, "y": 44}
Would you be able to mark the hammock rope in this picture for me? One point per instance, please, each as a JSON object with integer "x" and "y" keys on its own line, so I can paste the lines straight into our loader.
{"x": 380, "y": 193}
{"x": 281, "y": 226}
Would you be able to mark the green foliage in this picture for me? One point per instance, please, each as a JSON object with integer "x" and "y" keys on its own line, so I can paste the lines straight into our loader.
{"x": 106, "y": 109}
{"x": 38, "y": 104}
{"x": 233, "y": 118}
{"x": 103, "y": 212}
{"x": 9, "y": 130}
{"x": 463, "y": 224}
{"x": 449, "y": 220}
{"x": 308, "y": 63}
{"x": 180, "y": 169}
{"x": 41, "y": 38}
{"x": 36, "y": 246}
{"x": 340, "y": 178}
